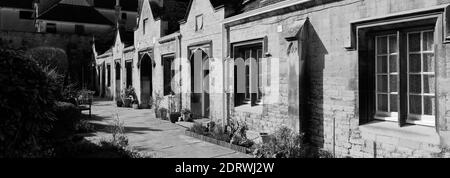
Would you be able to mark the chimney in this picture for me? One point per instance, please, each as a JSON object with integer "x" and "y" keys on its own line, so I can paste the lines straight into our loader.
{"x": 118, "y": 9}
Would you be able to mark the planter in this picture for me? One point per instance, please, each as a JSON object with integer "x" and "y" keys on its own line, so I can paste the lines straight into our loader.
{"x": 119, "y": 103}
{"x": 174, "y": 117}
{"x": 187, "y": 117}
{"x": 217, "y": 142}
{"x": 157, "y": 113}
{"x": 135, "y": 106}
{"x": 127, "y": 102}
{"x": 163, "y": 114}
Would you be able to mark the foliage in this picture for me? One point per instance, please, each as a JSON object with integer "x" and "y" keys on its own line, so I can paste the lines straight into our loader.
{"x": 174, "y": 116}
{"x": 287, "y": 144}
{"x": 55, "y": 58}
{"x": 27, "y": 99}
{"x": 219, "y": 133}
{"x": 185, "y": 111}
{"x": 118, "y": 133}
{"x": 157, "y": 100}
{"x": 67, "y": 119}
{"x": 85, "y": 126}
{"x": 129, "y": 93}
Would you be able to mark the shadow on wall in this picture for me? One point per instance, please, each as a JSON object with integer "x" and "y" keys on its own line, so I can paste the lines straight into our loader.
{"x": 315, "y": 63}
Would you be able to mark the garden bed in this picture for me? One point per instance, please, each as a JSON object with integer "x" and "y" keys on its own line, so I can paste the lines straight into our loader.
{"x": 217, "y": 142}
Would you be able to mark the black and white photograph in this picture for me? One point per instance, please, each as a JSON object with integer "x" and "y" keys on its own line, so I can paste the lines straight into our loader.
{"x": 236, "y": 79}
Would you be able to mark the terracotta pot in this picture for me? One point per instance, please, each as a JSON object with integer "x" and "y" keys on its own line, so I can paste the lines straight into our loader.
{"x": 127, "y": 102}
{"x": 157, "y": 113}
{"x": 135, "y": 106}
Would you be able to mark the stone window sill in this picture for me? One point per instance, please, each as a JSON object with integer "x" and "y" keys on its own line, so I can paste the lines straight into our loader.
{"x": 249, "y": 109}
{"x": 417, "y": 133}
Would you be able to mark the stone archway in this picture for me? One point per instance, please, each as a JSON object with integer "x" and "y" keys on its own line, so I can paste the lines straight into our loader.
{"x": 200, "y": 95}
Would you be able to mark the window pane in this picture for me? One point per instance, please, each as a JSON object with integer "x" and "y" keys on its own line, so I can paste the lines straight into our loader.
{"x": 382, "y": 102}
{"x": 393, "y": 63}
{"x": 414, "y": 63}
{"x": 429, "y": 105}
{"x": 414, "y": 42}
{"x": 415, "y": 84}
{"x": 415, "y": 104}
{"x": 382, "y": 64}
{"x": 382, "y": 83}
{"x": 393, "y": 83}
{"x": 429, "y": 84}
{"x": 382, "y": 45}
{"x": 393, "y": 100}
{"x": 393, "y": 44}
{"x": 428, "y": 40}
{"x": 428, "y": 62}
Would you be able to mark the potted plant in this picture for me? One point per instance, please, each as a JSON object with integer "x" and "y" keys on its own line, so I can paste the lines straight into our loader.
{"x": 128, "y": 95}
{"x": 163, "y": 113}
{"x": 135, "y": 104}
{"x": 119, "y": 102}
{"x": 186, "y": 115}
{"x": 157, "y": 103}
{"x": 174, "y": 117}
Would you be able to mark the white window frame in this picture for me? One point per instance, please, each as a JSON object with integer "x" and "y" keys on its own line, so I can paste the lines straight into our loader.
{"x": 382, "y": 115}
{"x": 422, "y": 119}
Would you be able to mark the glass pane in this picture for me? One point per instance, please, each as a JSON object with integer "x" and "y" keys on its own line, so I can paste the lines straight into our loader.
{"x": 382, "y": 45}
{"x": 428, "y": 40}
{"x": 382, "y": 83}
{"x": 382, "y": 64}
{"x": 393, "y": 63}
{"x": 393, "y": 48}
{"x": 429, "y": 84}
{"x": 394, "y": 107}
{"x": 429, "y": 105}
{"x": 415, "y": 104}
{"x": 428, "y": 62}
{"x": 382, "y": 102}
{"x": 393, "y": 83}
{"x": 414, "y": 63}
{"x": 414, "y": 42}
{"x": 415, "y": 83}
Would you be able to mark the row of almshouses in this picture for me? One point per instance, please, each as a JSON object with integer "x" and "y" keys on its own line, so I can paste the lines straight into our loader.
{"x": 324, "y": 68}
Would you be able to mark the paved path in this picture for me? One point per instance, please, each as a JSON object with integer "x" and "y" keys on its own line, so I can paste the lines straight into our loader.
{"x": 155, "y": 136}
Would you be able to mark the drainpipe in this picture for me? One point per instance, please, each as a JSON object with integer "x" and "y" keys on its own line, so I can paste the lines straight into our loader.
{"x": 334, "y": 134}
{"x": 225, "y": 54}
{"x": 178, "y": 41}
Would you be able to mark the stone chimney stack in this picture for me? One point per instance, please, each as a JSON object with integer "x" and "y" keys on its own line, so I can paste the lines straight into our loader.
{"x": 118, "y": 9}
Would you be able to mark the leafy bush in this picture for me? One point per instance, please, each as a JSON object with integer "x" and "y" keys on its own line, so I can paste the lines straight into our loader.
{"x": 287, "y": 144}
{"x": 26, "y": 103}
{"x": 219, "y": 133}
{"x": 56, "y": 58}
{"x": 67, "y": 119}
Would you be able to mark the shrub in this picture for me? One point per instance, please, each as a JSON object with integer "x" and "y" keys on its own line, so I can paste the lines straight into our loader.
{"x": 287, "y": 144}
{"x": 49, "y": 56}
{"x": 198, "y": 128}
{"x": 26, "y": 103}
{"x": 67, "y": 119}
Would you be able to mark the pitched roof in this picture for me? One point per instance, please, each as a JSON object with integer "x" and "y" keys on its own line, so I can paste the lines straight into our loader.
{"x": 127, "y": 37}
{"x": 127, "y": 5}
{"x": 74, "y": 13}
{"x": 215, "y": 4}
{"x": 22, "y": 4}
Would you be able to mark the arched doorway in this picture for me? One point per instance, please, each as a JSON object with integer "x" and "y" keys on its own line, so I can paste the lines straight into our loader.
{"x": 200, "y": 104}
{"x": 118, "y": 69}
{"x": 146, "y": 80}
{"x": 103, "y": 82}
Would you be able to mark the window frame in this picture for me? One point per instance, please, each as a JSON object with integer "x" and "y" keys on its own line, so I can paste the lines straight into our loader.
{"x": 164, "y": 59}
{"x": 403, "y": 116}
{"x": 197, "y": 28}
{"x": 144, "y": 24}
{"x": 53, "y": 28}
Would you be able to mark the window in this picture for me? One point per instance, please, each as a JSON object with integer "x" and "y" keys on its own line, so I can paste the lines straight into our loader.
{"x": 124, "y": 16}
{"x": 51, "y": 28}
{"x": 129, "y": 70}
{"x": 144, "y": 25}
{"x": 79, "y": 29}
{"x": 26, "y": 15}
{"x": 108, "y": 70}
{"x": 248, "y": 74}
{"x": 417, "y": 72}
{"x": 199, "y": 23}
{"x": 421, "y": 77}
{"x": 169, "y": 73}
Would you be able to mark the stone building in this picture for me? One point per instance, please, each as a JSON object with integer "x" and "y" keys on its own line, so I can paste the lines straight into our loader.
{"x": 17, "y": 15}
{"x": 360, "y": 78}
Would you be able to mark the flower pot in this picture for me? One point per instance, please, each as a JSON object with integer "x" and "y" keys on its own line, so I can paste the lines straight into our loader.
{"x": 174, "y": 117}
{"x": 119, "y": 104}
{"x": 127, "y": 102}
{"x": 187, "y": 117}
{"x": 135, "y": 106}
{"x": 163, "y": 114}
{"x": 157, "y": 113}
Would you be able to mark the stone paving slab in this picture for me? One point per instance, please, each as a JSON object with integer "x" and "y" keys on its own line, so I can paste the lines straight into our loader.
{"x": 148, "y": 134}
